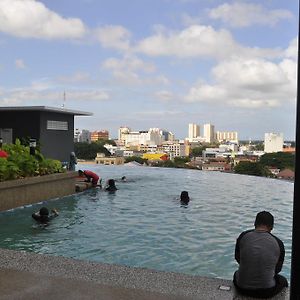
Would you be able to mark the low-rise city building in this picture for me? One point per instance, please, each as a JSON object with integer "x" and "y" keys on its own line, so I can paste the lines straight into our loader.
{"x": 155, "y": 156}
{"x": 286, "y": 174}
{"x": 274, "y": 171}
{"x": 175, "y": 149}
{"x": 130, "y": 153}
{"x": 273, "y": 142}
{"x": 242, "y": 158}
{"x": 111, "y": 160}
{"x": 216, "y": 166}
{"x": 289, "y": 149}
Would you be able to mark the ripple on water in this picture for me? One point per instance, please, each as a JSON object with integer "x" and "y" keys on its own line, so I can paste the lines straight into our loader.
{"x": 144, "y": 225}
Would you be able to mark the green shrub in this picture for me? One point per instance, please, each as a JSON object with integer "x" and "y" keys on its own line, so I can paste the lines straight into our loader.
{"x": 20, "y": 163}
{"x": 50, "y": 166}
{"x": 8, "y": 170}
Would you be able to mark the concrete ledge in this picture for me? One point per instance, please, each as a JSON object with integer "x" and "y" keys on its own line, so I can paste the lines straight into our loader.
{"x": 15, "y": 193}
{"x": 33, "y": 274}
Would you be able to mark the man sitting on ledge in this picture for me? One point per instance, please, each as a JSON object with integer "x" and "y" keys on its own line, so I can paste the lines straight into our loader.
{"x": 260, "y": 256}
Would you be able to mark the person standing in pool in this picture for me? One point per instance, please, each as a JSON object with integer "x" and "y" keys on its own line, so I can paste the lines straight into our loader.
{"x": 42, "y": 216}
{"x": 90, "y": 176}
{"x": 260, "y": 256}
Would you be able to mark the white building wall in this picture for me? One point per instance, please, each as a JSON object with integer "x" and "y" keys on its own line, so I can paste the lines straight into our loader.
{"x": 122, "y": 132}
{"x": 228, "y": 136}
{"x": 209, "y": 133}
{"x": 151, "y": 137}
{"x": 155, "y": 137}
{"x": 175, "y": 150}
{"x": 273, "y": 142}
{"x": 194, "y": 131}
{"x": 84, "y": 136}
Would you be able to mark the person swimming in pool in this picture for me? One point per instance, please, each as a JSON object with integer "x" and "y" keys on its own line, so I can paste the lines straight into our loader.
{"x": 43, "y": 216}
{"x": 122, "y": 179}
{"x": 111, "y": 186}
{"x": 184, "y": 197}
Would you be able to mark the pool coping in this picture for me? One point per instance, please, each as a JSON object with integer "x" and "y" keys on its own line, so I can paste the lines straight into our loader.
{"x": 115, "y": 278}
{"x": 30, "y": 190}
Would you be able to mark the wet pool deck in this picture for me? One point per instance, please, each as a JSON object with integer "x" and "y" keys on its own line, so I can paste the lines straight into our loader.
{"x": 33, "y": 276}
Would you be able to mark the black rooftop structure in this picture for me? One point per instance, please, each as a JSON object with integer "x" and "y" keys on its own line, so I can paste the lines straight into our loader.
{"x": 53, "y": 128}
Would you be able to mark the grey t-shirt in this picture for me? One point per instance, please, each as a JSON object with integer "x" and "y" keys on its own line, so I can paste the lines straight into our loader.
{"x": 260, "y": 255}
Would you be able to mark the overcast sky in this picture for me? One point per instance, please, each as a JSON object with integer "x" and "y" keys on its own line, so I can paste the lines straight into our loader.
{"x": 154, "y": 63}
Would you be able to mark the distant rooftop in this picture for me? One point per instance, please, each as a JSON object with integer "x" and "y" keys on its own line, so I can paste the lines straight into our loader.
{"x": 47, "y": 109}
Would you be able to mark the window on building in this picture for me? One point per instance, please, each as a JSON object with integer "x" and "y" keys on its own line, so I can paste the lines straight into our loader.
{"x": 57, "y": 125}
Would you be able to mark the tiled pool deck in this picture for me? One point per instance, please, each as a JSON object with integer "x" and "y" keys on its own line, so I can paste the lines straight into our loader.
{"x": 32, "y": 276}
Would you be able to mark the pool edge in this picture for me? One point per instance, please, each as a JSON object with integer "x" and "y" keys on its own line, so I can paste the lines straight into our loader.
{"x": 116, "y": 277}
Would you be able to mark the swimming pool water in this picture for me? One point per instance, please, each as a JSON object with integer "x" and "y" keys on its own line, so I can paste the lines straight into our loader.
{"x": 144, "y": 225}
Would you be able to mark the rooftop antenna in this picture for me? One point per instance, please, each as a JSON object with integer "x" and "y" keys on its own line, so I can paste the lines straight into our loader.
{"x": 64, "y": 101}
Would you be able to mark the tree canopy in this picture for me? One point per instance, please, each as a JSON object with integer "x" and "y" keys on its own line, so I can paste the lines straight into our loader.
{"x": 251, "y": 168}
{"x": 89, "y": 151}
{"x": 280, "y": 160}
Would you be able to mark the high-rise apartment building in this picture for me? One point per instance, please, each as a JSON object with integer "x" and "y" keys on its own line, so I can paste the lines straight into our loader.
{"x": 99, "y": 135}
{"x": 273, "y": 142}
{"x": 209, "y": 133}
{"x": 122, "y": 132}
{"x": 83, "y": 136}
{"x": 167, "y": 135}
{"x": 227, "y": 136}
{"x": 152, "y": 136}
{"x": 194, "y": 131}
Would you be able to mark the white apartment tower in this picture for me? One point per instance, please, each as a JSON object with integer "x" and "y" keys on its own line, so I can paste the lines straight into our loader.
{"x": 194, "y": 131}
{"x": 85, "y": 136}
{"x": 227, "y": 136}
{"x": 149, "y": 137}
{"x": 273, "y": 142}
{"x": 209, "y": 133}
{"x": 122, "y": 132}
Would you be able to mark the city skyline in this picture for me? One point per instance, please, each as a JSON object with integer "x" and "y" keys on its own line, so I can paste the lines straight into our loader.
{"x": 161, "y": 64}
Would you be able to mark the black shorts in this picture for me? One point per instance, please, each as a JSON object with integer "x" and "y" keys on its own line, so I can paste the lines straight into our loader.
{"x": 281, "y": 283}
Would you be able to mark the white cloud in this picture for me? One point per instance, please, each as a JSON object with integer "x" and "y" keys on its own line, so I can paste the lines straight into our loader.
{"x": 241, "y": 14}
{"x": 130, "y": 63}
{"x": 199, "y": 41}
{"x": 292, "y": 50}
{"x": 112, "y": 36}
{"x": 255, "y": 83}
{"x": 77, "y": 77}
{"x": 189, "y": 20}
{"x": 251, "y": 74}
{"x": 131, "y": 70}
{"x": 32, "y": 19}
{"x": 165, "y": 96}
{"x": 157, "y": 115}
{"x": 19, "y": 63}
{"x": 31, "y": 95}
{"x": 161, "y": 79}
{"x": 88, "y": 95}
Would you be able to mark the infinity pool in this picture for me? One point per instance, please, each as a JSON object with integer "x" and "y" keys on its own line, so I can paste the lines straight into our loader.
{"x": 144, "y": 225}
